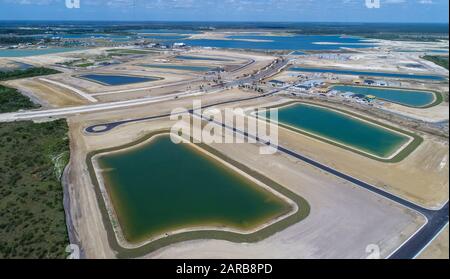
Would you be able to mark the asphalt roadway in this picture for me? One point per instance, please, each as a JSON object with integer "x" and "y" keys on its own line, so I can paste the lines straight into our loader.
{"x": 436, "y": 219}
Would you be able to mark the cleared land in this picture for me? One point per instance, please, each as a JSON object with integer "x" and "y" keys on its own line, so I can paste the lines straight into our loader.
{"x": 344, "y": 217}
{"x": 308, "y": 238}
{"x": 49, "y": 95}
{"x": 421, "y": 177}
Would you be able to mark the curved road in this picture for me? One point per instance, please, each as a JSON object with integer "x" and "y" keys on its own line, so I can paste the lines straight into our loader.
{"x": 436, "y": 219}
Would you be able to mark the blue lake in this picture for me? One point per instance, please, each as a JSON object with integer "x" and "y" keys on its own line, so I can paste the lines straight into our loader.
{"x": 298, "y": 42}
{"x": 117, "y": 79}
{"x": 404, "y": 97}
{"x": 363, "y": 73}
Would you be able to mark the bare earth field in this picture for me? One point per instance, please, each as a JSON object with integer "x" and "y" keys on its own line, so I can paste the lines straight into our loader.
{"x": 344, "y": 218}
{"x": 422, "y": 177}
{"x": 328, "y": 221}
{"x": 49, "y": 94}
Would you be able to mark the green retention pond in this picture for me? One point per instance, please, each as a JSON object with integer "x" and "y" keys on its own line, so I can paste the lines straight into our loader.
{"x": 344, "y": 130}
{"x": 159, "y": 187}
{"x": 115, "y": 80}
{"x": 411, "y": 98}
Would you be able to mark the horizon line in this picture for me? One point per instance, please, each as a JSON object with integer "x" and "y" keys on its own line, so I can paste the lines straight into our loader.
{"x": 222, "y": 21}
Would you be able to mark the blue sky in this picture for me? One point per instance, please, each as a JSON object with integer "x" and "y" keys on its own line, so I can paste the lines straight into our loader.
{"x": 229, "y": 10}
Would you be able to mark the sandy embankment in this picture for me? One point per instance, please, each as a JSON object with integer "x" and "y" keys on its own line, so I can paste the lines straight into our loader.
{"x": 336, "y": 205}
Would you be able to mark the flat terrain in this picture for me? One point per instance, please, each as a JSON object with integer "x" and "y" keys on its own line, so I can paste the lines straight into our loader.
{"x": 344, "y": 218}
{"x": 325, "y": 194}
{"x": 438, "y": 249}
{"x": 422, "y": 177}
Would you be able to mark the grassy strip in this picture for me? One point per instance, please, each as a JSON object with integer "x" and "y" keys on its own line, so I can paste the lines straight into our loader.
{"x": 438, "y": 60}
{"x": 417, "y": 140}
{"x": 11, "y": 100}
{"x": 26, "y": 73}
{"x": 32, "y": 220}
{"x": 301, "y": 214}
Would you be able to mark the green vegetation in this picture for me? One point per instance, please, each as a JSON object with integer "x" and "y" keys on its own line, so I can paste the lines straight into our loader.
{"x": 85, "y": 65}
{"x": 14, "y": 40}
{"x": 26, "y": 73}
{"x": 32, "y": 220}
{"x": 407, "y": 37}
{"x": 11, "y": 100}
{"x": 438, "y": 60}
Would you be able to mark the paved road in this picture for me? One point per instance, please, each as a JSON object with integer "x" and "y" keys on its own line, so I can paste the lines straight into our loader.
{"x": 65, "y": 112}
{"x": 436, "y": 219}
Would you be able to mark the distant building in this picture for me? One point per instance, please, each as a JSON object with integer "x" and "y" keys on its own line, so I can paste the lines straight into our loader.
{"x": 301, "y": 87}
{"x": 323, "y": 90}
{"x": 347, "y": 95}
{"x": 381, "y": 83}
{"x": 277, "y": 83}
{"x": 313, "y": 83}
{"x": 370, "y": 98}
{"x": 179, "y": 45}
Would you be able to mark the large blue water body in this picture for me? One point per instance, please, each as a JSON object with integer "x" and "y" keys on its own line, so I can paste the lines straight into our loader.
{"x": 117, "y": 80}
{"x": 363, "y": 73}
{"x": 413, "y": 98}
{"x": 298, "y": 42}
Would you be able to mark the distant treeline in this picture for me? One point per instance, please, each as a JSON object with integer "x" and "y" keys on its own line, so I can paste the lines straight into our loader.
{"x": 40, "y": 27}
{"x": 13, "y": 40}
{"x": 438, "y": 60}
{"x": 26, "y": 73}
{"x": 407, "y": 37}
